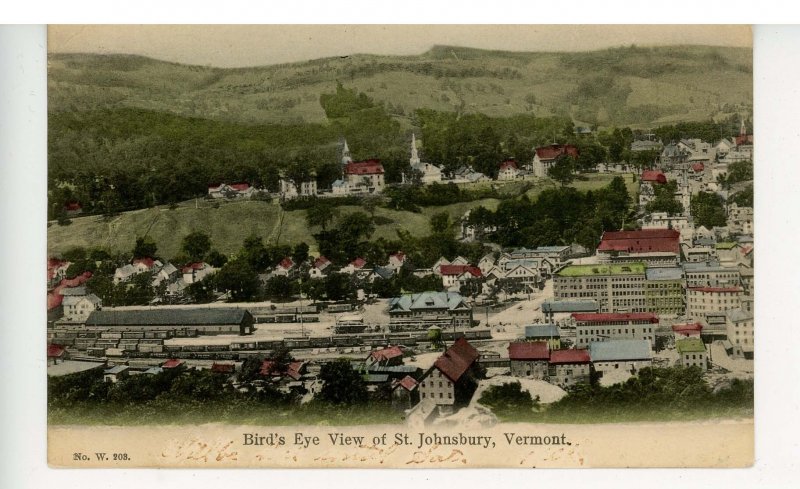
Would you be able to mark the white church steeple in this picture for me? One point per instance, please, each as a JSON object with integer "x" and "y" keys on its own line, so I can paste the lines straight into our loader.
{"x": 346, "y": 154}
{"x": 414, "y": 155}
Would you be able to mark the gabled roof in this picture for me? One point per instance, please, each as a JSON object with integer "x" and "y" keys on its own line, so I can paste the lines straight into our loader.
{"x": 459, "y": 269}
{"x": 427, "y": 301}
{"x": 555, "y": 150}
{"x": 292, "y": 370}
{"x": 386, "y": 354}
{"x": 368, "y": 167}
{"x": 240, "y": 186}
{"x": 698, "y": 167}
{"x": 223, "y": 368}
{"x": 321, "y": 262}
{"x": 535, "y": 350}
{"x": 457, "y": 360}
{"x": 198, "y": 265}
{"x": 508, "y": 164}
{"x": 118, "y": 369}
{"x": 358, "y": 262}
{"x": 383, "y": 272}
{"x": 55, "y": 351}
{"x": 408, "y": 383}
{"x": 656, "y": 176}
{"x": 148, "y": 262}
{"x": 286, "y": 263}
{"x": 561, "y": 357}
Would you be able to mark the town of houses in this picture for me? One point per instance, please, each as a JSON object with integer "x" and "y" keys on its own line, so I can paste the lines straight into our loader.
{"x": 669, "y": 293}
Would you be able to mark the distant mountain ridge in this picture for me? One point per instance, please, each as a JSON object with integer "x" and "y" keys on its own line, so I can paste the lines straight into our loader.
{"x": 636, "y": 86}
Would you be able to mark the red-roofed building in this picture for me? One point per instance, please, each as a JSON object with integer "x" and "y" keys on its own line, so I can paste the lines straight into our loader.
{"x": 294, "y": 370}
{"x": 529, "y": 359}
{"x": 197, "y": 271}
{"x": 615, "y": 243}
{"x": 508, "y": 170}
{"x": 686, "y": 330}
{"x": 450, "y": 381}
{"x": 56, "y": 270}
{"x": 319, "y": 267}
{"x": 147, "y": 263}
{"x": 698, "y": 167}
{"x": 284, "y": 267}
{"x": 239, "y": 190}
{"x": 456, "y": 275}
{"x": 354, "y": 266}
{"x": 396, "y": 260}
{"x": 173, "y": 363}
{"x": 55, "y": 354}
{"x": 569, "y": 367}
{"x": 367, "y": 175}
{"x": 702, "y": 302}
{"x": 392, "y": 355}
{"x": 73, "y": 208}
{"x": 546, "y": 156}
{"x": 654, "y": 176}
{"x": 590, "y": 327}
{"x": 405, "y": 393}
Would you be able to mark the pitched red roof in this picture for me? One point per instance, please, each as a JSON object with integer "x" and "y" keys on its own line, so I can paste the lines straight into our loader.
{"x": 555, "y": 150}
{"x": 613, "y": 317}
{"x": 508, "y": 164}
{"x": 76, "y": 281}
{"x": 72, "y": 206}
{"x": 399, "y": 256}
{"x": 321, "y": 262}
{"x": 148, "y": 262}
{"x": 654, "y": 176}
{"x": 386, "y": 353}
{"x": 641, "y": 241}
{"x": 53, "y": 264}
{"x": 536, "y": 350}
{"x": 459, "y": 269}
{"x": 240, "y": 186}
{"x": 368, "y": 167}
{"x": 560, "y": 357}
{"x": 198, "y": 265}
{"x": 408, "y": 383}
{"x": 292, "y": 370}
{"x": 698, "y": 167}
{"x": 55, "y": 351}
{"x": 54, "y": 299}
{"x": 359, "y": 262}
{"x": 457, "y": 360}
{"x": 172, "y": 363}
{"x": 744, "y": 139}
{"x": 286, "y": 263}
{"x": 716, "y": 289}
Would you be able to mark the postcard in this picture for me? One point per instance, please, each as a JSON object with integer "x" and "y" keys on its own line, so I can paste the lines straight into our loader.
{"x": 405, "y": 246}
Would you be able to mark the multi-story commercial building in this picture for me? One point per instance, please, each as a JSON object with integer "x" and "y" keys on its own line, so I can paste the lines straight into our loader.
{"x": 710, "y": 274}
{"x": 704, "y": 301}
{"x": 450, "y": 381}
{"x": 616, "y": 288}
{"x": 529, "y": 359}
{"x": 569, "y": 367}
{"x": 592, "y": 328}
{"x": 656, "y": 247}
{"x": 664, "y": 293}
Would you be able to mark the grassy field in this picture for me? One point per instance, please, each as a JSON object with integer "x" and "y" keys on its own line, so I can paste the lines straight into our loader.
{"x": 623, "y": 86}
{"x": 230, "y": 222}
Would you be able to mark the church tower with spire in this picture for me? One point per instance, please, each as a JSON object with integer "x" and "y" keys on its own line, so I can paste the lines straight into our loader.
{"x": 346, "y": 158}
{"x": 414, "y": 155}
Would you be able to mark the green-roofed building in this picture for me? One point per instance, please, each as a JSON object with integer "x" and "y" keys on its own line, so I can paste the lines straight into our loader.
{"x": 617, "y": 287}
{"x": 692, "y": 352}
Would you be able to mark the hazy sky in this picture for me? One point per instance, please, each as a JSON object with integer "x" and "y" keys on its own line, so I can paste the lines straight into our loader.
{"x": 241, "y": 45}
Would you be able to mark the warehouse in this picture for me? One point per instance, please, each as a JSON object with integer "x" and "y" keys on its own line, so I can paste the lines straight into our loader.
{"x": 181, "y": 322}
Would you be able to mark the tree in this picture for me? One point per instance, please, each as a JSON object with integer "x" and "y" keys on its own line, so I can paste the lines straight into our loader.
{"x": 440, "y": 223}
{"x": 338, "y": 286}
{"x": 708, "y": 210}
{"x": 254, "y": 252}
{"x": 509, "y": 400}
{"x": 239, "y": 279}
{"x": 196, "y": 245}
{"x": 342, "y": 384}
{"x": 280, "y": 288}
{"x": 435, "y": 337}
{"x": 202, "y": 291}
{"x": 145, "y": 248}
{"x": 321, "y": 214}
{"x": 216, "y": 259}
{"x": 300, "y": 253}
{"x": 562, "y": 170}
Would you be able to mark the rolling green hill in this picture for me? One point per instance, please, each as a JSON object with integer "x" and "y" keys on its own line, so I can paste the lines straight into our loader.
{"x": 230, "y": 223}
{"x": 622, "y": 86}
